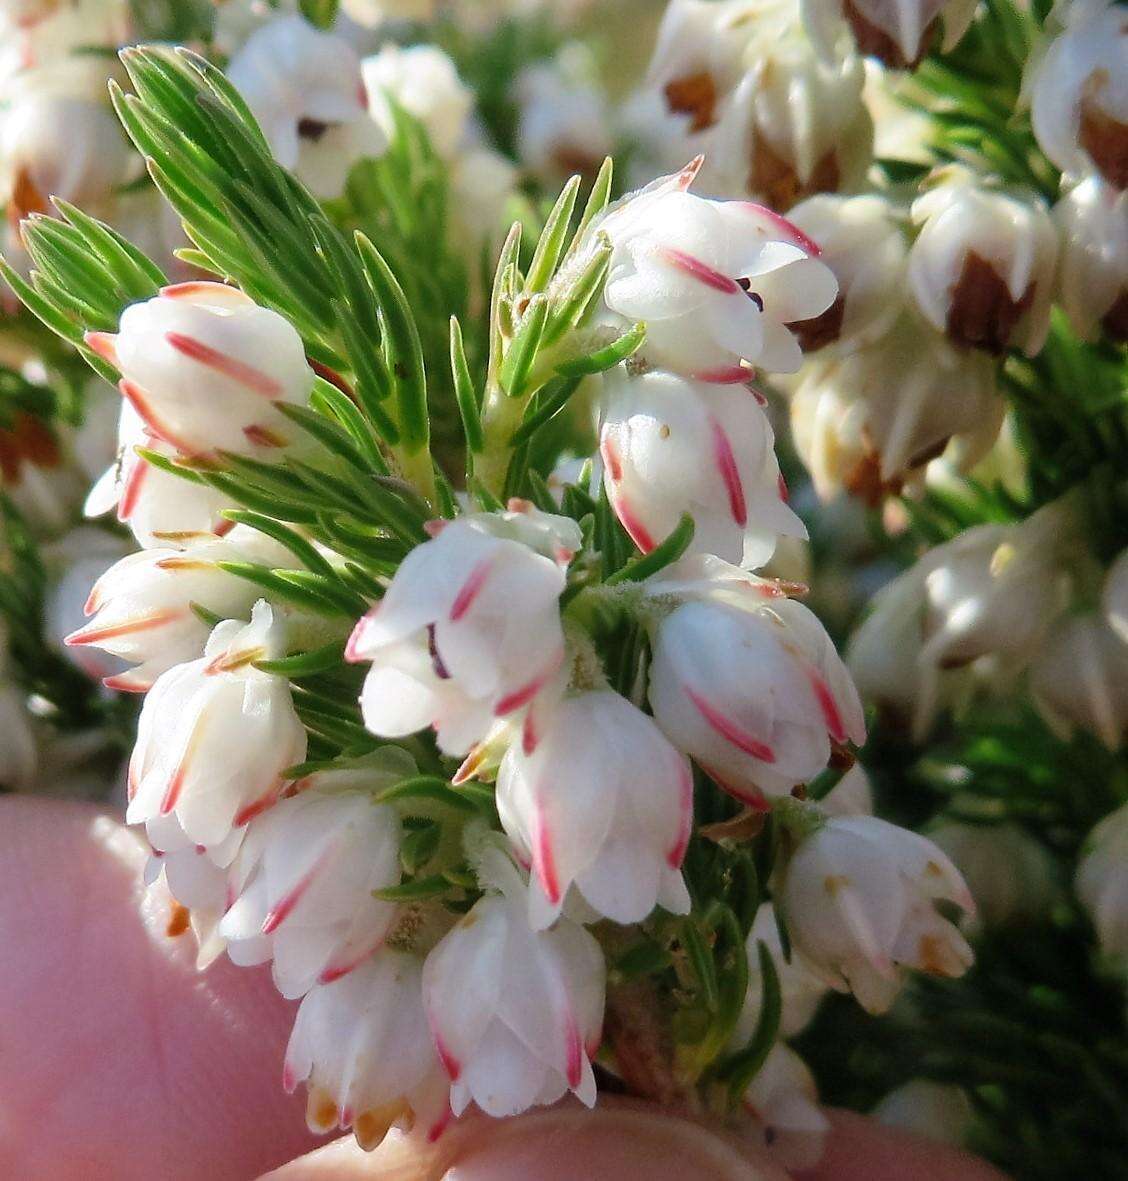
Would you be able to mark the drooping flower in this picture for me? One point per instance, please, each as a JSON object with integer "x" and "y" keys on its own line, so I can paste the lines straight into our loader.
{"x": 717, "y": 283}
{"x": 1093, "y": 277}
{"x": 1078, "y": 92}
{"x": 1080, "y": 679}
{"x": 938, "y": 1111}
{"x": 795, "y": 125}
{"x": 307, "y": 874}
{"x": 756, "y": 695}
{"x": 204, "y": 367}
{"x": 516, "y": 1014}
{"x": 982, "y": 267}
{"x": 859, "y": 897}
{"x": 216, "y": 734}
{"x": 862, "y": 240}
{"x": 304, "y": 87}
{"x": 869, "y": 424}
{"x": 1102, "y": 882}
{"x": 604, "y": 802}
{"x": 672, "y": 446}
{"x": 469, "y": 629}
{"x": 897, "y": 32}
{"x": 145, "y": 606}
{"x": 362, "y": 1047}
{"x": 424, "y": 81}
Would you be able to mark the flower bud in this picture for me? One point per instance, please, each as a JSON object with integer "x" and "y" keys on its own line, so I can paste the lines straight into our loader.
{"x": 1093, "y": 280}
{"x": 308, "y": 870}
{"x": 672, "y": 446}
{"x": 859, "y": 894}
{"x": 603, "y": 801}
{"x": 784, "y": 1102}
{"x": 1078, "y": 92}
{"x": 1102, "y": 882}
{"x": 144, "y": 606}
{"x": 203, "y": 366}
{"x": 897, "y": 33}
{"x": 755, "y": 696}
{"x": 362, "y": 1046}
{"x": 720, "y": 285}
{"x": 869, "y": 424}
{"x": 862, "y": 241}
{"x": 304, "y": 87}
{"x": 215, "y": 735}
{"x": 160, "y": 508}
{"x": 794, "y": 126}
{"x": 516, "y": 1014}
{"x": 469, "y": 629}
{"x": 424, "y": 81}
{"x": 982, "y": 267}
{"x": 1080, "y": 679}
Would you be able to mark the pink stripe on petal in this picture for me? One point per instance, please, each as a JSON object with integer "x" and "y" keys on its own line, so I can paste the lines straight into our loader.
{"x": 787, "y": 228}
{"x": 218, "y": 292}
{"x": 140, "y": 623}
{"x": 131, "y": 490}
{"x": 520, "y": 697}
{"x": 104, "y": 344}
{"x": 689, "y": 173}
{"x": 440, "y": 1125}
{"x": 638, "y": 532}
{"x": 139, "y": 400}
{"x": 449, "y": 1062}
{"x": 784, "y": 494}
{"x": 279, "y": 913}
{"x": 730, "y": 474}
{"x": 730, "y": 730}
{"x": 172, "y": 792}
{"x": 829, "y": 707}
{"x": 239, "y": 371}
{"x": 752, "y": 796}
{"x": 692, "y": 266}
{"x": 470, "y": 589}
{"x": 263, "y": 436}
{"x": 610, "y": 454}
{"x": 544, "y": 861}
{"x": 126, "y": 683}
{"x": 574, "y": 1053}
{"x": 289, "y": 1079}
{"x": 676, "y": 854}
{"x": 356, "y": 638}
{"x": 529, "y": 735}
{"x": 725, "y": 375}
{"x": 256, "y": 807}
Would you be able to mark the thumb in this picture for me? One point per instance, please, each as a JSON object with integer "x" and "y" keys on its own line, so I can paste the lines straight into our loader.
{"x": 620, "y": 1140}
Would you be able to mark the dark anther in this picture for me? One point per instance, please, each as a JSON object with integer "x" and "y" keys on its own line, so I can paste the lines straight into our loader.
{"x": 746, "y": 286}
{"x": 436, "y": 659}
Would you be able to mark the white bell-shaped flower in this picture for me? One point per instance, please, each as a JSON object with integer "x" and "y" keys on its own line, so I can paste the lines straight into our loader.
{"x": 897, "y": 32}
{"x": 1012, "y": 877}
{"x": 603, "y": 802}
{"x": 717, "y": 283}
{"x": 672, "y": 446}
{"x": 858, "y": 895}
{"x": 362, "y": 1047}
{"x": 868, "y": 423}
{"x": 516, "y": 1014}
{"x": 1077, "y": 87}
{"x": 159, "y": 507}
{"x": 308, "y": 868}
{"x": 783, "y": 1100}
{"x": 862, "y": 240}
{"x": 1080, "y": 679}
{"x": 424, "y": 81}
{"x": 795, "y": 125}
{"x": 982, "y": 268}
{"x": 197, "y": 878}
{"x": 756, "y": 696}
{"x": 1093, "y": 277}
{"x": 564, "y": 124}
{"x": 801, "y": 989}
{"x": 1102, "y": 882}
{"x": 304, "y": 87}
{"x": 74, "y": 562}
{"x": 215, "y": 735}
{"x": 203, "y": 366}
{"x": 469, "y": 629}
{"x": 996, "y": 589}
{"x": 144, "y": 606}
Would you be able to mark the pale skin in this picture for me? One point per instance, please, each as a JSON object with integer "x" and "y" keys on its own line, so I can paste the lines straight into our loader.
{"x": 118, "y": 1061}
